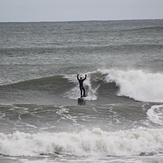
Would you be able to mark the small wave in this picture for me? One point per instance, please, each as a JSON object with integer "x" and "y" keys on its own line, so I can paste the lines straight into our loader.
{"x": 147, "y": 28}
{"x": 85, "y": 143}
{"x": 155, "y": 114}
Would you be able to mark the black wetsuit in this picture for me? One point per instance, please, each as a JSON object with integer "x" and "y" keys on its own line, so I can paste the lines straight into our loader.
{"x": 82, "y": 90}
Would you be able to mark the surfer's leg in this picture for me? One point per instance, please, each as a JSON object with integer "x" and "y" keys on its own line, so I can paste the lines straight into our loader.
{"x": 84, "y": 92}
{"x": 81, "y": 92}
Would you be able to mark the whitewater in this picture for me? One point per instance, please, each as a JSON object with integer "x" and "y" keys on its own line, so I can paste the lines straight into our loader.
{"x": 121, "y": 119}
{"x": 85, "y": 143}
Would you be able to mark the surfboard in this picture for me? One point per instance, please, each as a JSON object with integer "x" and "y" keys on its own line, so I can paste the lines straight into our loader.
{"x": 81, "y": 98}
{"x": 81, "y": 101}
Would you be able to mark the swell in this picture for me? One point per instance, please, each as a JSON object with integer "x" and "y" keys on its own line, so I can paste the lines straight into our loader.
{"x": 43, "y": 90}
{"x": 82, "y": 48}
{"x": 55, "y": 83}
{"x": 148, "y": 28}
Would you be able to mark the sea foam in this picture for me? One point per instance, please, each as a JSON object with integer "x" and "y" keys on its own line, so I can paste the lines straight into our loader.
{"x": 85, "y": 143}
{"x": 155, "y": 114}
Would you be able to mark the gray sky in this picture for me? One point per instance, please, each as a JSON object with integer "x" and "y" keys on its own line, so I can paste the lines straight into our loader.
{"x": 76, "y": 10}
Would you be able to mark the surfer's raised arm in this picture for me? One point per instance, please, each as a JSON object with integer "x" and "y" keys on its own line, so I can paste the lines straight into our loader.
{"x": 78, "y": 76}
{"x": 85, "y": 76}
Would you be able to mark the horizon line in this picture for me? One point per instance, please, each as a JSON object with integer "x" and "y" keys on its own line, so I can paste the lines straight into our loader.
{"x": 62, "y": 21}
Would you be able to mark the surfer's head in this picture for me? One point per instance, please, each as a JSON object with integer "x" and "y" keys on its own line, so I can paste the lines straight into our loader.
{"x": 80, "y": 78}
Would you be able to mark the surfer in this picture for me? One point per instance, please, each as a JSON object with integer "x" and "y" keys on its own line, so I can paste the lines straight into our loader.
{"x": 82, "y": 90}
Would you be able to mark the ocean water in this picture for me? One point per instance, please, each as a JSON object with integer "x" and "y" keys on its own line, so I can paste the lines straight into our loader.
{"x": 121, "y": 120}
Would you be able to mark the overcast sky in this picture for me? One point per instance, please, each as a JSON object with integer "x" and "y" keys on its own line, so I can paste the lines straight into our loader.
{"x": 76, "y": 10}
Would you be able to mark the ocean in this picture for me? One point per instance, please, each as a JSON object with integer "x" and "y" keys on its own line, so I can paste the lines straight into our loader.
{"x": 121, "y": 118}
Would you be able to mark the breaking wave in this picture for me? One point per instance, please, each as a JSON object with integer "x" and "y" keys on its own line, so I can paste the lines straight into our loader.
{"x": 96, "y": 142}
{"x": 137, "y": 84}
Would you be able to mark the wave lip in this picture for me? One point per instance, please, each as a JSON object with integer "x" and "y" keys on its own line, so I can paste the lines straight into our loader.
{"x": 95, "y": 142}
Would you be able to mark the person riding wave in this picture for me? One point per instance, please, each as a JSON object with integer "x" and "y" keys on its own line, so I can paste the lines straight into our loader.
{"x": 81, "y": 80}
